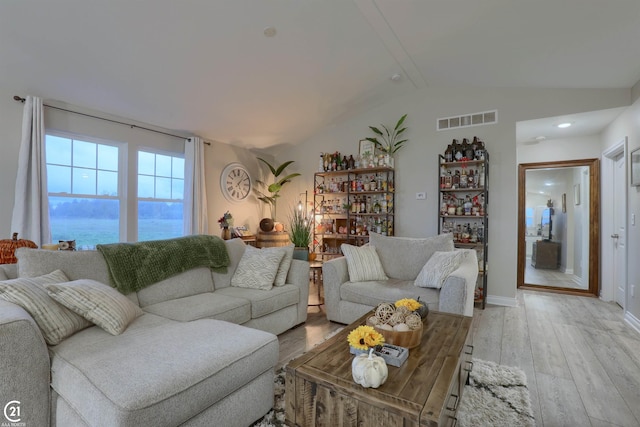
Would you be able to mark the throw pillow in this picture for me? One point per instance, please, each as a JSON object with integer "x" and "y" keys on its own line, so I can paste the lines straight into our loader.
{"x": 403, "y": 257}
{"x": 54, "y": 320}
{"x": 438, "y": 268}
{"x": 363, "y": 263}
{"x": 285, "y": 264}
{"x": 98, "y": 303}
{"x": 257, "y": 268}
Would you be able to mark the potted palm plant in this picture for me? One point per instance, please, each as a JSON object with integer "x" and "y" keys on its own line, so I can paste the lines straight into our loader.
{"x": 274, "y": 188}
{"x": 390, "y": 140}
{"x": 300, "y": 233}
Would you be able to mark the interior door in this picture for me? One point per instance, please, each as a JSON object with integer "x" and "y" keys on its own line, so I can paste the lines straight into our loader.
{"x": 620, "y": 231}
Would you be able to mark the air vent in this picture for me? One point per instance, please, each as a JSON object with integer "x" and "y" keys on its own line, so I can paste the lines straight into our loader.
{"x": 468, "y": 120}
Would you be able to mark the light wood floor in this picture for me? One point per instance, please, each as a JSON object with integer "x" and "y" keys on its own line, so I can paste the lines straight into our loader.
{"x": 540, "y": 276}
{"x": 582, "y": 361}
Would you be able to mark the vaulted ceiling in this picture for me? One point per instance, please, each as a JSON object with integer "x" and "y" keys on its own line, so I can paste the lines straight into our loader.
{"x": 207, "y": 66}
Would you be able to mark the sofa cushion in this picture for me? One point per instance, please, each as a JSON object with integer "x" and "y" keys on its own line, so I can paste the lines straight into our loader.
{"x": 265, "y": 302}
{"x": 363, "y": 263}
{"x": 235, "y": 249}
{"x": 258, "y": 268}
{"x": 285, "y": 264}
{"x": 158, "y": 372}
{"x": 74, "y": 264}
{"x": 191, "y": 282}
{"x": 438, "y": 268}
{"x": 98, "y": 303}
{"x": 210, "y": 305}
{"x": 374, "y": 292}
{"x": 54, "y": 320}
{"x": 403, "y": 257}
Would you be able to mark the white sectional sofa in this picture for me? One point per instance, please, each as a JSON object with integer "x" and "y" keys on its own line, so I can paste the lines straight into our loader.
{"x": 201, "y": 354}
{"x": 402, "y": 260}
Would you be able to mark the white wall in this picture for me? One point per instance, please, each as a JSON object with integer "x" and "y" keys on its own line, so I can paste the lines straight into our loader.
{"x": 551, "y": 150}
{"x": 628, "y": 125}
{"x": 417, "y": 167}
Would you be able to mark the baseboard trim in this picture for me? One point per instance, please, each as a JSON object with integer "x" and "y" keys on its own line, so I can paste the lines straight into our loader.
{"x": 633, "y": 321}
{"x": 505, "y": 301}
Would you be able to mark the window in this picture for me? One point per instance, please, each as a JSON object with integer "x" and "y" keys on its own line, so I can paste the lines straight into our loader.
{"x": 160, "y": 195}
{"x": 529, "y": 212}
{"x": 83, "y": 185}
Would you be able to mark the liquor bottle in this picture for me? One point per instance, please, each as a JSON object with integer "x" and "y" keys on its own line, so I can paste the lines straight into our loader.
{"x": 448, "y": 153}
{"x": 456, "y": 180}
{"x": 352, "y": 162}
{"x": 463, "y": 178}
{"x": 471, "y": 179}
{"x": 464, "y": 148}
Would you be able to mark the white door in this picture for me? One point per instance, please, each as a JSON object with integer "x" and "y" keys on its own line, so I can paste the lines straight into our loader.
{"x": 620, "y": 230}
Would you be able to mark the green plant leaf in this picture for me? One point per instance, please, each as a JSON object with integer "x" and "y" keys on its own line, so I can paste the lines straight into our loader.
{"x": 400, "y": 121}
{"x": 376, "y": 130}
{"x": 287, "y": 178}
{"x": 274, "y": 188}
{"x": 281, "y": 168}
{"x": 273, "y": 170}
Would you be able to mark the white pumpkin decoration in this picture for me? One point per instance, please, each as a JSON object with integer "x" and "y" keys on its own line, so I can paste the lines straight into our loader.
{"x": 369, "y": 370}
{"x": 385, "y": 327}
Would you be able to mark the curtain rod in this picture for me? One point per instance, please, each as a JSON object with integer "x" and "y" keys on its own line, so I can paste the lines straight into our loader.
{"x": 18, "y": 98}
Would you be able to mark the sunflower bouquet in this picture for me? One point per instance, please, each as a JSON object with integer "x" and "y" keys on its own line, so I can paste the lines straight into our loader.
{"x": 365, "y": 337}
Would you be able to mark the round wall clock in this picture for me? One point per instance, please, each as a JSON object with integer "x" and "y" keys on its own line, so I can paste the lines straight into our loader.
{"x": 235, "y": 182}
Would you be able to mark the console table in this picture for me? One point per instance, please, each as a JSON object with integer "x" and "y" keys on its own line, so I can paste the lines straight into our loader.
{"x": 546, "y": 254}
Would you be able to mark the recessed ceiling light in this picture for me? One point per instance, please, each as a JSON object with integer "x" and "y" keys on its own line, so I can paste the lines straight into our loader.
{"x": 540, "y": 138}
{"x": 396, "y": 77}
{"x": 564, "y": 125}
{"x": 270, "y": 31}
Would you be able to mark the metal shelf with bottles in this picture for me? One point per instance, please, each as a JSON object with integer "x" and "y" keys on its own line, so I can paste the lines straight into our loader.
{"x": 348, "y": 204}
{"x": 463, "y": 203}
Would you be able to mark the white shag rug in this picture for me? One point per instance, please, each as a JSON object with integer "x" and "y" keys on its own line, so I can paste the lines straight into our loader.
{"x": 496, "y": 396}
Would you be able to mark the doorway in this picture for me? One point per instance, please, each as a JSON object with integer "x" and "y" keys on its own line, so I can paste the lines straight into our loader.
{"x": 558, "y": 226}
{"x": 614, "y": 225}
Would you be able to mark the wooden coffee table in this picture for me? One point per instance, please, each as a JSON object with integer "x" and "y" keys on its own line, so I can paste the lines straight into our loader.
{"x": 424, "y": 391}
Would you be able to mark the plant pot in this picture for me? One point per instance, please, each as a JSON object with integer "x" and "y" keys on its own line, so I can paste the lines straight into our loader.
{"x": 266, "y": 224}
{"x": 301, "y": 253}
{"x": 226, "y": 233}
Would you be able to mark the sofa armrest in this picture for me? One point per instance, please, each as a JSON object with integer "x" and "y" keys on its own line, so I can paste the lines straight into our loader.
{"x": 25, "y": 368}
{"x": 299, "y": 275}
{"x": 457, "y": 293}
{"x": 334, "y": 274}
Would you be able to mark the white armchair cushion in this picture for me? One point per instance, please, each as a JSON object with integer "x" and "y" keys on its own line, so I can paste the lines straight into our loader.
{"x": 438, "y": 268}
{"x": 403, "y": 257}
{"x": 363, "y": 263}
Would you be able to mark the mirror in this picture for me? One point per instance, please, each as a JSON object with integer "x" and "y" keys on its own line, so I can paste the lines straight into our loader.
{"x": 558, "y": 226}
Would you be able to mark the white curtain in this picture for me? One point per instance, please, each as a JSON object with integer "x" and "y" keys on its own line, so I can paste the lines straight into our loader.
{"x": 196, "y": 220}
{"x": 31, "y": 204}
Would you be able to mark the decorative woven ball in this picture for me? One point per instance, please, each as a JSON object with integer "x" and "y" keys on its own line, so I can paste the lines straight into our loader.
{"x": 396, "y": 318}
{"x": 373, "y": 321}
{"x": 403, "y": 309}
{"x": 384, "y": 311}
{"x": 413, "y": 321}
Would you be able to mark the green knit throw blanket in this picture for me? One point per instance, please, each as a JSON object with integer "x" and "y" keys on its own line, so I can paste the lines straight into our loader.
{"x": 134, "y": 266}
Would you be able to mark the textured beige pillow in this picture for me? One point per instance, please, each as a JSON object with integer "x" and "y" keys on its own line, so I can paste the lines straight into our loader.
{"x": 98, "y": 303}
{"x": 258, "y": 268}
{"x": 285, "y": 264}
{"x": 55, "y": 321}
{"x": 363, "y": 263}
{"x": 438, "y": 268}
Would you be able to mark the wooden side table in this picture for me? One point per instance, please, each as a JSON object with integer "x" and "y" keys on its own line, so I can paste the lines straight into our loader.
{"x": 316, "y": 270}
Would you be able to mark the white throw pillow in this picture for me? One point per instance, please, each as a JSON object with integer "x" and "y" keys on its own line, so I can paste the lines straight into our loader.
{"x": 98, "y": 303}
{"x": 54, "y": 320}
{"x": 285, "y": 264}
{"x": 438, "y": 268}
{"x": 363, "y": 263}
{"x": 258, "y": 268}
